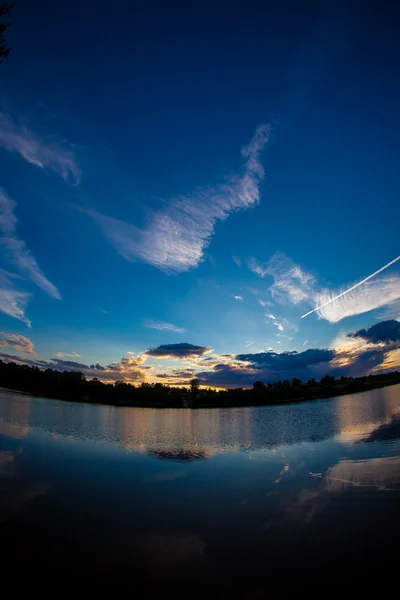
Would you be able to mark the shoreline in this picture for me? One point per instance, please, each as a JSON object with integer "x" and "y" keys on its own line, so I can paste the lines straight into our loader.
{"x": 204, "y": 405}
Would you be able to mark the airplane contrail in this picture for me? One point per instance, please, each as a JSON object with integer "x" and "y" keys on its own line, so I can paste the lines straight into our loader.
{"x": 352, "y": 288}
{"x": 249, "y": 344}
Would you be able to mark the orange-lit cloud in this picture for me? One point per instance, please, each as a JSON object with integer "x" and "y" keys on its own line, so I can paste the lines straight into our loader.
{"x": 362, "y": 352}
{"x": 391, "y": 361}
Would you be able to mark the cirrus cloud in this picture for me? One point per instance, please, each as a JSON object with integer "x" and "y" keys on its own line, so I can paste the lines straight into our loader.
{"x": 15, "y": 250}
{"x": 43, "y": 153}
{"x": 163, "y": 326}
{"x": 291, "y": 282}
{"x": 370, "y": 296}
{"x": 13, "y": 302}
{"x": 293, "y": 285}
{"x": 174, "y": 239}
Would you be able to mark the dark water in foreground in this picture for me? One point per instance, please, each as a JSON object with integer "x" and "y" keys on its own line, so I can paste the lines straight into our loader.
{"x": 242, "y": 501}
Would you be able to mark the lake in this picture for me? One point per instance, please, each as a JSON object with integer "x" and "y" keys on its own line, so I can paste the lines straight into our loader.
{"x": 238, "y": 501}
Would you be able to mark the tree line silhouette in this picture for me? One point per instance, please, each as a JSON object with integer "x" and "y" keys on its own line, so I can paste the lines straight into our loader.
{"x": 72, "y": 385}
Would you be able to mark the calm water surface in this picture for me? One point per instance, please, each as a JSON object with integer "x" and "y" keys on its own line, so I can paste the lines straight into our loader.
{"x": 228, "y": 500}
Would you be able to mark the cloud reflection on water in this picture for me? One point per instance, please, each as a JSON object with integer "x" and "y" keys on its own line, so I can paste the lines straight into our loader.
{"x": 179, "y": 433}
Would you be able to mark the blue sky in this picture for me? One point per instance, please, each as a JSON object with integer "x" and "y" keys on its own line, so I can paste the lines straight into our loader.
{"x": 179, "y": 186}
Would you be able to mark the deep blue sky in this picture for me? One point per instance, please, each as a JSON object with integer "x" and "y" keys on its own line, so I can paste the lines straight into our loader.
{"x": 121, "y": 133}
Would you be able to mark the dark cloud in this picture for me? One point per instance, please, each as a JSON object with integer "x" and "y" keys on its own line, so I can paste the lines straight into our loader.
{"x": 183, "y": 350}
{"x": 287, "y": 360}
{"x": 385, "y": 331}
{"x": 13, "y": 357}
{"x": 108, "y": 373}
{"x": 230, "y": 376}
{"x": 177, "y": 374}
{"x": 268, "y": 366}
{"x": 25, "y": 361}
{"x": 68, "y": 364}
{"x": 113, "y": 367}
{"x": 385, "y": 432}
{"x": 227, "y": 370}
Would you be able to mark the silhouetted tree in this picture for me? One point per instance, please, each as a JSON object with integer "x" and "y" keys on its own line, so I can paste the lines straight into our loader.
{"x": 4, "y": 48}
{"x": 258, "y": 385}
{"x": 194, "y": 387}
{"x": 72, "y": 385}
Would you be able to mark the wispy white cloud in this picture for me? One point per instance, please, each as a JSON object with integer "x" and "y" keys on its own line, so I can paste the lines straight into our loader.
{"x": 265, "y": 303}
{"x": 174, "y": 239}
{"x": 15, "y": 249}
{"x": 262, "y": 294}
{"x": 391, "y": 312}
{"x": 257, "y": 267}
{"x": 327, "y": 298}
{"x": 289, "y": 279}
{"x": 371, "y": 295}
{"x": 26, "y": 263}
{"x": 240, "y": 298}
{"x": 274, "y": 320}
{"x": 304, "y": 343}
{"x": 13, "y": 302}
{"x": 43, "y": 153}
{"x": 291, "y": 282}
{"x": 283, "y": 335}
{"x": 72, "y": 354}
{"x": 162, "y": 326}
{"x": 17, "y": 342}
{"x": 237, "y": 261}
{"x": 280, "y": 323}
